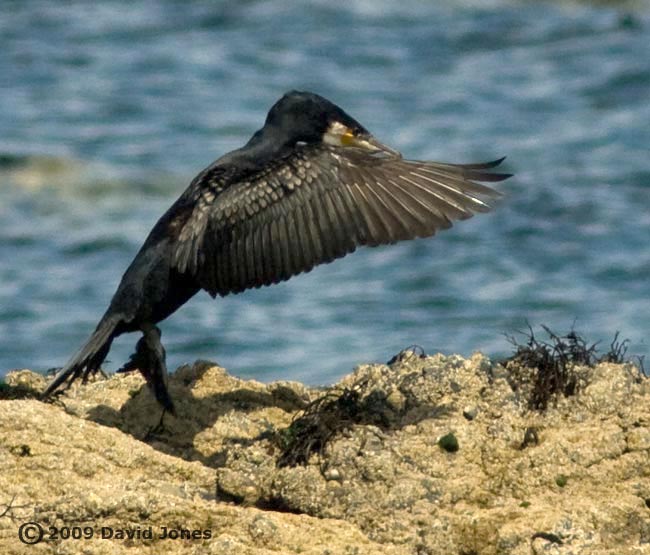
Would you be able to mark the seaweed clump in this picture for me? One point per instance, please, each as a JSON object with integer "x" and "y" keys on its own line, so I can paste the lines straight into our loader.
{"x": 326, "y": 417}
{"x": 338, "y": 411}
{"x": 550, "y": 367}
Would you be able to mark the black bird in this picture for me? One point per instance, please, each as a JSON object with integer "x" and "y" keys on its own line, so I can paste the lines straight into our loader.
{"x": 309, "y": 187}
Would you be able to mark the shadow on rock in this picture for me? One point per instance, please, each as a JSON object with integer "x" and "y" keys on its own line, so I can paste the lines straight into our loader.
{"x": 204, "y": 396}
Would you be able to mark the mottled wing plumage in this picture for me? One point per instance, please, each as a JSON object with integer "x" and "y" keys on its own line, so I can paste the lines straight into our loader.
{"x": 317, "y": 205}
{"x": 199, "y": 199}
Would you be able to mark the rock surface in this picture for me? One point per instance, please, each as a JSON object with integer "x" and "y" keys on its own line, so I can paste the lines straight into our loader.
{"x": 574, "y": 479}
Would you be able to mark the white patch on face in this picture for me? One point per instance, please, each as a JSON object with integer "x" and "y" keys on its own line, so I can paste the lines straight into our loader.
{"x": 334, "y": 133}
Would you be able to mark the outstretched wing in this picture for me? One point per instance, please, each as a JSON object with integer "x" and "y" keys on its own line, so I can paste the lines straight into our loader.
{"x": 317, "y": 205}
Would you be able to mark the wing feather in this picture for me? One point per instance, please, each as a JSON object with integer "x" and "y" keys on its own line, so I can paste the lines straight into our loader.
{"x": 310, "y": 235}
{"x": 376, "y": 227}
{"x": 388, "y": 212}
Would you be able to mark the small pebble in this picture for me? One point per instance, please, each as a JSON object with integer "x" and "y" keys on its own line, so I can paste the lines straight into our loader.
{"x": 470, "y": 412}
{"x": 332, "y": 474}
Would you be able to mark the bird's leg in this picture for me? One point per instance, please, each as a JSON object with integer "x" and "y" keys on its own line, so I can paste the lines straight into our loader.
{"x": 155, "y": 372}
{"x": 149, "y": 359}
{"x": 157, "y": 429}
{"x": 157, "y": 376}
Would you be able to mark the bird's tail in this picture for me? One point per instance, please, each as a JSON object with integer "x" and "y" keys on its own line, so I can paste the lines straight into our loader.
{"x": 90, "y": 357}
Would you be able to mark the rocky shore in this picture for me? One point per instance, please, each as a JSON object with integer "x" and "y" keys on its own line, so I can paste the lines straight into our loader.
{"x": 428, "y": 455}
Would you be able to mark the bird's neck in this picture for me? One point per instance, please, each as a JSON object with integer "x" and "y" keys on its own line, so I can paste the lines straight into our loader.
{"x": 262, "y": 148}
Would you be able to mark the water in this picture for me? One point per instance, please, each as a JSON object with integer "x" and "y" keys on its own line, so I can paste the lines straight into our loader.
{"x": 110, "y": 108}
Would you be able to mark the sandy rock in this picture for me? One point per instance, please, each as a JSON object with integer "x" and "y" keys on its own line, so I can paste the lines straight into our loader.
{"x": 574, "y": 479}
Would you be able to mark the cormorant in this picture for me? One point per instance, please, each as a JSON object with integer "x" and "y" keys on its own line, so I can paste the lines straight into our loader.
{"x": 310, "y": 186}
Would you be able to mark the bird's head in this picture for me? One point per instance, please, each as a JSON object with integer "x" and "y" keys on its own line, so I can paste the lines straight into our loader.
{"x": 304, "y": 117}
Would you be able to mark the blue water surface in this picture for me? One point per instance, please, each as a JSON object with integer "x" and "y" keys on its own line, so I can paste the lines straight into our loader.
{"x": 109, "y": 108}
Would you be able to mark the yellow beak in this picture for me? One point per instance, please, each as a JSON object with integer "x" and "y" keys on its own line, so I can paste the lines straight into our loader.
{"x": 340, "y": 135}
{"x": 368, "y": 142}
